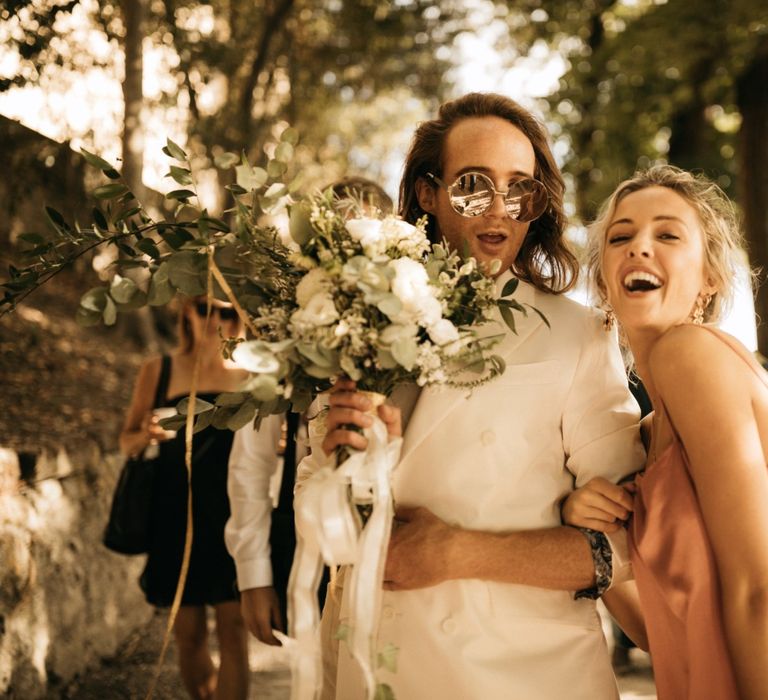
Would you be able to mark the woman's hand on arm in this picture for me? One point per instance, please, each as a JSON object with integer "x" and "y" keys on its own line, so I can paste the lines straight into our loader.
{"x": 598, "y": 505}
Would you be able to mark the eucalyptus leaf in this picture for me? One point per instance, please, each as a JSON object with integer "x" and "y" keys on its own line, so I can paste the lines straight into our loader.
{"x": 110, "y": 191}
{"x": 226, "y": 160}
{"x": 203, "y": 421}
{"x": 180, "y": 195}
{"x": 187, "y": 271}
{"x": 231, "y": 398}
{"x": 122, "y": 289}
{"x": 244, "y": 415}
{"x": 32, "y": 238}
{"x": 540, "y": 314}
{"x": 509, "y": 318}
{"x": 148, "y": 246}
{"x": 200, "y": 406}
{"x": 110, "y": 312}
{"x": 94, "y": 300}
{"x": 176, "y": 422}
{"x": 56, "y": 218}
{"x": 174, "y": 150}
{"x": 181, "y": 175}
{"x": 250, "y": 178}
{"x": 256, "y": 356}
{"x": 221, "y": 416}
{"x": 299, "y": 224}
{"x": 290, "y": 135}
{"x": 263, "y": 387}
{"x": 390, "y": 305}
{"x": 276, "y": 168}
{"x": 284, "y": 152}
{"x": 510, "y": 287}
{"x": 405, "y": 350}
{"x": 160, "y": 289}
{"x": 100, "y": 219}
{"x": 87, "y": 317}
{"x": 95, "y": 160}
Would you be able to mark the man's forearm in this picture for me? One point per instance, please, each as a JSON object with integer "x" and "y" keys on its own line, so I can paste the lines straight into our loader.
{"x": 425, "y": 550}
{"x": 557, "y": 558}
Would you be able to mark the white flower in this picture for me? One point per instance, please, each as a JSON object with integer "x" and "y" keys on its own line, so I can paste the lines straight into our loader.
{"x": 417, "y": 296}
{"x": 316, "y": 281}
{"x": 319, "y": 311}
{"x": 443, "y": 332}
{"x": 369, "y": 234}
{"x": 398, "y": 232}
{"x": 342, "y": 329}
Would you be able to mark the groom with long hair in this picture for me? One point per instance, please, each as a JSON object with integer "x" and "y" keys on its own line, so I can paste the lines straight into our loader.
{"x": 487, "y": 594}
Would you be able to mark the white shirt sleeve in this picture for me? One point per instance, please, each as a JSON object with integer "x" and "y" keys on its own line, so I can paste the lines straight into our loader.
{"x": 601, "y": 419}
{"x": 601, "y": 429}
{"x": 252, "y": 462}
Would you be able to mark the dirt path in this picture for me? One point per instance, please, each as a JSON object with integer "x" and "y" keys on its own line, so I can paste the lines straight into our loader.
{"x": 128, "y": 675}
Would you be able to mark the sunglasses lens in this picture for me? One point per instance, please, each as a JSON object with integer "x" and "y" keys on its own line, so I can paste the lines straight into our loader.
{"x": 227, "y": 314}
{"x": 471, "y": 194}
{"x": 201, "y": 309}
{"x": 526, "y": 200}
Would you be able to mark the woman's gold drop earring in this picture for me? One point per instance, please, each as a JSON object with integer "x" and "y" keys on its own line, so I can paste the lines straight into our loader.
{"x": 609, "y": 319}
{"x": 702, "y": 302}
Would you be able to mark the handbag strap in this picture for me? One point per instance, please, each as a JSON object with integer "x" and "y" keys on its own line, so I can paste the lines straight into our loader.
{"x": 161, "y": 393}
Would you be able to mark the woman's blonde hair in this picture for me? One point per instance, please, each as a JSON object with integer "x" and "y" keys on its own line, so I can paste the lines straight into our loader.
{"x": 723, "y": 241}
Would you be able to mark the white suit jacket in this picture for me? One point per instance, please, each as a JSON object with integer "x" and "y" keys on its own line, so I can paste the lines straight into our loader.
{"x": 501, "y": 458}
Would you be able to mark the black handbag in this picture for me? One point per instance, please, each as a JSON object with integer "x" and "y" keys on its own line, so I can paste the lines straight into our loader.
{"x": 128, "y": 527}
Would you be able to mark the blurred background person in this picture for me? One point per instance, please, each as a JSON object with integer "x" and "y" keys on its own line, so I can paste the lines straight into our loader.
{"x": 211, "y": 576}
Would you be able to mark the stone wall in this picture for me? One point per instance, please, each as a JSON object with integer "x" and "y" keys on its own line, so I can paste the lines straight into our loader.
{"x": 65, "y": 600}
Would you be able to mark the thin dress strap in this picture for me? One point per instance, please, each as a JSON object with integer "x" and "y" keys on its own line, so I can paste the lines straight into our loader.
{"x": 740, "y": 351}
{"x": 737, "y": 348}
{"x": 161, "y": 392}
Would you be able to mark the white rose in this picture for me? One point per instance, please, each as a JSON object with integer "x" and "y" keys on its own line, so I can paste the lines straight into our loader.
{"x": 396, "y": 231}
{"x": 320, "y": 311}
{"x": 443, "y": 332}
{"x": 411, "y": 286}
{"x": 364, "y": 228}
{"x": 368, "y": 232}
{"x": 316, "y": 281}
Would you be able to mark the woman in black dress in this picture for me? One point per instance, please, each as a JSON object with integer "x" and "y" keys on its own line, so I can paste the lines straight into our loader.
{"x": 163, "y": 382}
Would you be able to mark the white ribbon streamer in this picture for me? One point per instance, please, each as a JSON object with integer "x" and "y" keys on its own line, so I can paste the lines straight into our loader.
{"x": 327, "y": 528}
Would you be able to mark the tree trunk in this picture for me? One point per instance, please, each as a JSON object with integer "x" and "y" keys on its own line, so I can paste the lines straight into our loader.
{"x": 134, "y": 12}
{"x": 752, "y": 98}
{"x": 141, "y": 322}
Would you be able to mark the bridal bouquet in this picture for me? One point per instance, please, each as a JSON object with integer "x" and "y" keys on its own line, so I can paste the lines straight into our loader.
{"x": 371, "y": 299}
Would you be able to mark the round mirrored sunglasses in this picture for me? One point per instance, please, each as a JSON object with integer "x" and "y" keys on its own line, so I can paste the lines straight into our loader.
{"x": 472, "y": 194}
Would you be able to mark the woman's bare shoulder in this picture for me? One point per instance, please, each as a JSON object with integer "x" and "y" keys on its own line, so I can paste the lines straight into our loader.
{"x": 692, "y": 363}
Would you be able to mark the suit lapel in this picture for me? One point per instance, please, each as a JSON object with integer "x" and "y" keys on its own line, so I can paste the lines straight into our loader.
{"x": 434, "y": 404}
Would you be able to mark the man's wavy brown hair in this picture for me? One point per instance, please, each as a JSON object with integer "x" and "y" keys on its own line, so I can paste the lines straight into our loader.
{"x": 544, "y": 260}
